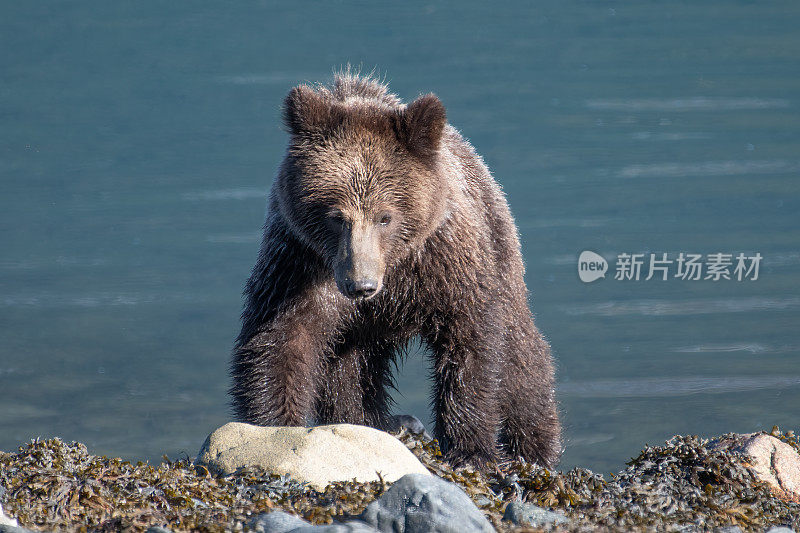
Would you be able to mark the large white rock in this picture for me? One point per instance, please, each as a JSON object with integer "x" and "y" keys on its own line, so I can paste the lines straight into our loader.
{"x": 317, "y": 456}
{"x": 771, "y": 460}
{"x": 6, "y": 520}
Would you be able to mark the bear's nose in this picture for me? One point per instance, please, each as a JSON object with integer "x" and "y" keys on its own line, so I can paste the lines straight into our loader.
{"x": 361, "y": 288}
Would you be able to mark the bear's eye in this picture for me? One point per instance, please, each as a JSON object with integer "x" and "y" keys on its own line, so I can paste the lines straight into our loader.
{"x": 385, "y": 219}
{"x": 335, "y": 218}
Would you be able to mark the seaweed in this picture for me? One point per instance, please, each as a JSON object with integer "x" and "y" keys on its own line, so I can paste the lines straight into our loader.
{"x": 681, "y": 484}
{"x": 54, "y": 485}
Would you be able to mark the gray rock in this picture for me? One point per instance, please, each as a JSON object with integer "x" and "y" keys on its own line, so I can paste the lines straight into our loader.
{"x": 158, "y": 529}
{"x": 528, "y": 514}
{"x": 10, "y": 525}
{"x": 779, "y": 530}
{"x": 281, "y": 522}
{"x": 276, "y": 522}
{"x": 5, "y": 528}
{"x": 6, "y": 520}
{"x": 411, "y": 423}
{"x": 425, "y": 504}
{"x": 728, "y": 529}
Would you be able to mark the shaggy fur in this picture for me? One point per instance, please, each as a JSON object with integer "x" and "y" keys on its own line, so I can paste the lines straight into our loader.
{"x": 372, "y": 188}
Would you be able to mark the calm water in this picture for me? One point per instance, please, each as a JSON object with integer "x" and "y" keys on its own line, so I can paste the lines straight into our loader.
{"x": 138, "y": 141}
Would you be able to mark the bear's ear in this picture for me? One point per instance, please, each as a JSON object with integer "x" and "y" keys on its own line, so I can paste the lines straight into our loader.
{"x": 421, "y": 124}
{"x": 305, "y": 110}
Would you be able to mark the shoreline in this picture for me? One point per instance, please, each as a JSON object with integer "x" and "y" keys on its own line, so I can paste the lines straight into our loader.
{"x": 685, "y": 483}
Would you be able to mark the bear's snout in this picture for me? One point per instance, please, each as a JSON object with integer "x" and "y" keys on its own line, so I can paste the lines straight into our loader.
{"x": 359, "y": 264}
{"x": 361, "y": 289}
{"x": 358, "y": 288}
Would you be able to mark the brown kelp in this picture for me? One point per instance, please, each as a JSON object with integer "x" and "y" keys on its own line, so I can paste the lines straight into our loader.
{"x": 50, "y": 484}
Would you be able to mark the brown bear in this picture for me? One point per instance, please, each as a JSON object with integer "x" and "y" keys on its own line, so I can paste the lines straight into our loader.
{"x": 384, "y": 224}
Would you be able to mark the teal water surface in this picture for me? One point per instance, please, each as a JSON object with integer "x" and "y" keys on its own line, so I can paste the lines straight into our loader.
{"x": 138, "y": 142}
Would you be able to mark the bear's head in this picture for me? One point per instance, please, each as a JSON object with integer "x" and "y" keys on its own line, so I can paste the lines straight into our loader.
{"x": 361, "y": 183}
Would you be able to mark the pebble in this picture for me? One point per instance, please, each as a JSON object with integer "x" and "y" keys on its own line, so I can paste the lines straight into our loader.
{"x": 528, "y": 514}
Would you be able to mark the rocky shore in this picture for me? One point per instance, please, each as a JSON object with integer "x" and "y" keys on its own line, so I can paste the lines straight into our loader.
{"x": 727, "y": 484}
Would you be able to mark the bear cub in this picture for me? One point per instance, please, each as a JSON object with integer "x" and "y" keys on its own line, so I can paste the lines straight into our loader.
{"x": 384, "y": 224}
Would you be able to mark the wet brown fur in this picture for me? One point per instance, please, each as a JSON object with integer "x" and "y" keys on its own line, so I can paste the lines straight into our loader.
{"x": 451, "y": 273}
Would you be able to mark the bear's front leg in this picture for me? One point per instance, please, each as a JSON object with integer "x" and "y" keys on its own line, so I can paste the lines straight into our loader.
{"x": 353, "y": 388}
{"x": 466, "y": 390}
{"x": 275, "y": 369}
{"x": 531, "y": 429}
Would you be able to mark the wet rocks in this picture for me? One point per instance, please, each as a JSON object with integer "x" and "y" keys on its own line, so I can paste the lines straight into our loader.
{"x": 418, "y": 503}
{"x": 317, "y": 456}
{"x": 414, "y": 504}
{"x": 772, "y": 461}
{"x": 528, "y": 514}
